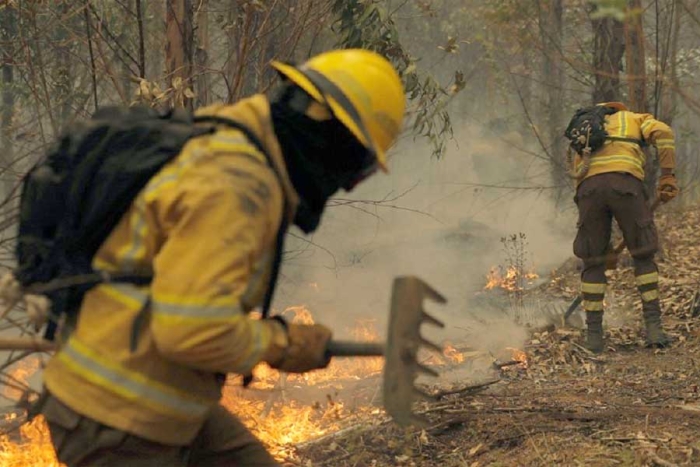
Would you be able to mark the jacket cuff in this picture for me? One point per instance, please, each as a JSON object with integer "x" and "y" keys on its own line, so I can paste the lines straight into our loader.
{"x": 279, "y": 341}
{"x": 667, "y": 159}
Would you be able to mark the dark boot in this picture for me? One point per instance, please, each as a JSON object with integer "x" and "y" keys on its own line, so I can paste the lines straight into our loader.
{"x": 594, "y": 332}
{"x": 656, "y": 337}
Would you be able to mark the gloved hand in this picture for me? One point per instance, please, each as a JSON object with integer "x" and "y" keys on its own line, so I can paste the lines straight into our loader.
{"x": 668, "y": 188}
{"x": 10, "y": 291}
{"x": 38, "y": 307}
{"x": 305, "y": 349}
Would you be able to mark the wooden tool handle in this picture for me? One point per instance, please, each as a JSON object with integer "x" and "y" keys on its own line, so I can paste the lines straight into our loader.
{"x": 355, "y": 349}
{"x": 27, "y": 343}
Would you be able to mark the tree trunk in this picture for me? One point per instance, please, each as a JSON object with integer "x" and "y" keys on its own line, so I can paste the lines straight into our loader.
{"x": 138, "y": 9}
{"x": 126, "y": 72}
{"x": 64, "y": 74}
{"x": 608, "y": 48}
{"x": 7, "y": 38}
{"x": 201, "y": 56}
{"x": 154, "y": 60}
{"x": 636, "y": 69}
{"x": 179, "y": 50}
{"x": 685, "y": 156}
{"x": 524, "y": 84}
{"x": 669, "y": 97}
{"x": 551, "y": 25}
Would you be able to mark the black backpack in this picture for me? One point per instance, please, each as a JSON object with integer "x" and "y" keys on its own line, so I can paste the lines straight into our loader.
{"x": 75, "y": 196}
{"x": 586, "y": 129}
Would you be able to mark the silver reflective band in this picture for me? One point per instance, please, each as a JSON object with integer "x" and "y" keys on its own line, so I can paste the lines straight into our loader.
{"x": 198, "y": 311}
{"x": 170, "y": 401}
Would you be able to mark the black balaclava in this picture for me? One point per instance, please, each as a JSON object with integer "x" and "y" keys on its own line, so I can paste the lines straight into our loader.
{"x": 321, "y": 156}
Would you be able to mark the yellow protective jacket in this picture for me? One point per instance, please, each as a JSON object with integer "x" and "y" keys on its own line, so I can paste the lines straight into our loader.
{"x": 205, "y": 226}
{"x": 623, "y": 156}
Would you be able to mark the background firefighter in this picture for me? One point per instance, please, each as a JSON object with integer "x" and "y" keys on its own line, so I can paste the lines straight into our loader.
{"x": 612, "y": 187}
{"x": 206, "y": 227}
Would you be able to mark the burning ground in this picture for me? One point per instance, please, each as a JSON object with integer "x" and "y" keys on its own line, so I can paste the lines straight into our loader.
{"x": 547, "y": 402}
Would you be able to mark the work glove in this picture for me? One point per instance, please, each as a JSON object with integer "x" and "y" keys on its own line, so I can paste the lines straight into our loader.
{"x": 668, "y": 188}
{"x": 37, "y": 306}
{"x": 10, "y": 292}
{"x": 304, "y": 349}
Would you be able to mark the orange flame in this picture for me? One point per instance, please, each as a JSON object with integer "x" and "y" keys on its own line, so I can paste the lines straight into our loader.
{"x": 31, "y": 448}
{"x": 519, "y": 356}
{"x": 18, "y": 376}
{"x": 510, "y": 279}
{"x": 449, "y": 355}
{"x": 452, "y": 354}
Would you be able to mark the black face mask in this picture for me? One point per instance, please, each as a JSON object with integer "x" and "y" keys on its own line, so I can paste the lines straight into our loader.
{"x": 321, "y": 157}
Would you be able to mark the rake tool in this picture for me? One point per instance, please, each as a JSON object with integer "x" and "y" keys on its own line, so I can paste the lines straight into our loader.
{"x": 401, "y": 367}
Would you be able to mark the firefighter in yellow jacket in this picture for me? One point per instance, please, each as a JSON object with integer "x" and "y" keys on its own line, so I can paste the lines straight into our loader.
{"x": 129, "y": 391}
{"x": 611, "y": 186}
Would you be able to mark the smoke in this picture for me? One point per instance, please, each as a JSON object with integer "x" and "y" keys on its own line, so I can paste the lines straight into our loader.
{"x": 441, "y": 220}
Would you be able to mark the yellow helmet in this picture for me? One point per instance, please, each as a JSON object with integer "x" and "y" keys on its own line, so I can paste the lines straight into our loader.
{"x": 614, "y": 105}
{"x": 363, "y": 91}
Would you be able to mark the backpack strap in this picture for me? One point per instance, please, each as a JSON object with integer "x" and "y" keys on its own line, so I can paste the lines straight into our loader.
{"x": 88, "y": 280}
{"x": 284, "y": 224}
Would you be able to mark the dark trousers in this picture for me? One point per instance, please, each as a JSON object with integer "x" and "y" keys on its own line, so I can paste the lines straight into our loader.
{"x": 600, "y": 199}
{"x": 82, "y": 442}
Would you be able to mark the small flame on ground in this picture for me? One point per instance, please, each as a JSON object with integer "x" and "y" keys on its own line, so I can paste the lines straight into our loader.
{"x": 510, "y": 279}
{"x": 452, "y": 354}
{"x": 519, "y": 356}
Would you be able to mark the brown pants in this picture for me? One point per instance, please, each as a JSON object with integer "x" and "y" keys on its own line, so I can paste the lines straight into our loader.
{"x": 83, "y": 442}
{"x": 600, "y": 199}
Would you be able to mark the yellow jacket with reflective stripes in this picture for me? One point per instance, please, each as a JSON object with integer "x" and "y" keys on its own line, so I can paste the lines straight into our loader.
{"x": 623, "y": 156}
{"x": 205, "y": 226}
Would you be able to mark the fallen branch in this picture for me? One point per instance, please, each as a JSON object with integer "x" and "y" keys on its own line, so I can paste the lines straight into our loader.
{"x": 357, "y": 428}
{"x": 447, "y": 425}
{"x": 632, "y": 439}
{"x": 474, "y": 388}
{"x": 499, "y": 365}
{"x": 662, "y": 462}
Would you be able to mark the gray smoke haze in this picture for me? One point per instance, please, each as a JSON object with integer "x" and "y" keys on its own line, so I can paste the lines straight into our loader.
{"x": 434, "y": 224}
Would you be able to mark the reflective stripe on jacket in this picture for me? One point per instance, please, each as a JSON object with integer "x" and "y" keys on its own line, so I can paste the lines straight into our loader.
{"x": 205, "y": 226}
{"x": 627, "y": 156}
